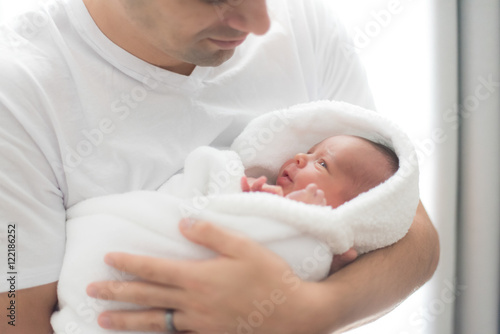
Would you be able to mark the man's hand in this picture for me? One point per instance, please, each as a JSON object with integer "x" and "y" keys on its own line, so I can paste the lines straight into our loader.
{"x": 234, "y": 290}
{"x": 246, "y": 288}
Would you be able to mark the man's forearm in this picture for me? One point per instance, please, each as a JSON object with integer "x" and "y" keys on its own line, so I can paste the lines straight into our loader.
{"x": 34, "y": 307}
{"x": 378, "y": 281}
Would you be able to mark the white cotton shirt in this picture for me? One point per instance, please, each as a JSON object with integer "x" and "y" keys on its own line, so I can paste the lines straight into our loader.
{"x": 80, "y": 117}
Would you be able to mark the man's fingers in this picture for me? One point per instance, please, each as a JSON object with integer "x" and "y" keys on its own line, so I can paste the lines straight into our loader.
{"x": 341, "y": 260}
{"x": 349, "y": 256}
{"x": 140, "y": 293}
{"x": 152, "y": 269}
{"x": 142, "y": 321}
{"x": 218, "y": 239}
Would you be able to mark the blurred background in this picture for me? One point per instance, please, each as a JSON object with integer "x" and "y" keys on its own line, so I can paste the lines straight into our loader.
{"x": 434, "y": 67}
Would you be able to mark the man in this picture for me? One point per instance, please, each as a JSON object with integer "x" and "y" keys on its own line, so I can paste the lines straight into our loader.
{"x": 103, "y": 97}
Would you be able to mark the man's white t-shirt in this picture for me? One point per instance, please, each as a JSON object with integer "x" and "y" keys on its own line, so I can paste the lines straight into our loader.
{"x": 80, "y": 117}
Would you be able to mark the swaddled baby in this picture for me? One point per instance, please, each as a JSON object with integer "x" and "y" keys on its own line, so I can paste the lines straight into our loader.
{"x": 335, "y": 173}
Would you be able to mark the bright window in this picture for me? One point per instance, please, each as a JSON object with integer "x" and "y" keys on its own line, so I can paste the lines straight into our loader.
{"x": 394, "y": 41}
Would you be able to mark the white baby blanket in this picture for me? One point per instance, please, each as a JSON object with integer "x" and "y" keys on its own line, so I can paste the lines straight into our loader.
{"x": 306, "y": 236}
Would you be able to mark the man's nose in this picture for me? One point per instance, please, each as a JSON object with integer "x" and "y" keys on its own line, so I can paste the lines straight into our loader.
{"x": 301, "y": 160}
{"x": 250, "y": 16}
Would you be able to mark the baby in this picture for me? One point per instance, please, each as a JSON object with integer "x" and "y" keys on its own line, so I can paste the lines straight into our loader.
{"x": 332, "y": 172}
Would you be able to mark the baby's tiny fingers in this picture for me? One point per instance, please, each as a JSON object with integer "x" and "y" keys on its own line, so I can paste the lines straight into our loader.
{"x": 311, "y": 189}
{"x": 257, "y": 185}
{"x": 245, "y": 187}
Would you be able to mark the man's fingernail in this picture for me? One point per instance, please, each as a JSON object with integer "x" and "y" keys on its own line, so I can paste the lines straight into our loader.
{"x": 109, "y": 260}
{"x": 187, "y": 223}
{"x": 105, "y": 321}
{"x": 92, "y": 291}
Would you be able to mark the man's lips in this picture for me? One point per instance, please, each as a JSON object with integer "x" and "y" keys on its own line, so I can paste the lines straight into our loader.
{"x": 227, "y": 44}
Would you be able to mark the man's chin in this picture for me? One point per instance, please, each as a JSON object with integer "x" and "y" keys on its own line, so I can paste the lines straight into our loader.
{"x": 216, "y": 59}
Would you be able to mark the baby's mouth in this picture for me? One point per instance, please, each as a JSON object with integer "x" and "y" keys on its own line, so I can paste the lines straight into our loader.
{"x": 284, "y": 179}
{"x": 285, "y": 174}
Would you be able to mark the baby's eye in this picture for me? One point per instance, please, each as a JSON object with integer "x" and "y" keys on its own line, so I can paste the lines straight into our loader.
{"x": 322, "y": 163}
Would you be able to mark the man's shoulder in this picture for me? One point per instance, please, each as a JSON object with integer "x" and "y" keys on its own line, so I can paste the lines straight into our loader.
{"x": 28, "y": 63}
{"x": 33, "y": 74}
{"x": 29, "y": 41}
{"x": 22, "y": 66}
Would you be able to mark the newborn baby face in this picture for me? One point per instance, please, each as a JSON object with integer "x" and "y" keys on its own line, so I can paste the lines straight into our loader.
{"x": 332, "y": 165}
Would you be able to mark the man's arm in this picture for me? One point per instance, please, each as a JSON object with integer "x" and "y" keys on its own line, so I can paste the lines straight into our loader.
{"x": 378, "y": 281}
{"x": 222, "y": 294}
{"x": 34, "y": 306}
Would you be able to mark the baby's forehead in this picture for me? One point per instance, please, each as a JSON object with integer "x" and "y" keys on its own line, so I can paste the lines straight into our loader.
{"x": 348, "y": 152}
{"x": 342, "y": 142}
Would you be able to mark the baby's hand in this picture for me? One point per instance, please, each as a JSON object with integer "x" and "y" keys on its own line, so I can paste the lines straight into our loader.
{"x": 310, "y": 195}
{"x": 249, "y": 184}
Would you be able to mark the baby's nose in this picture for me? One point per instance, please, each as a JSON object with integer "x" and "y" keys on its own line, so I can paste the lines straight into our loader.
{"x": 301, "y": 160}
